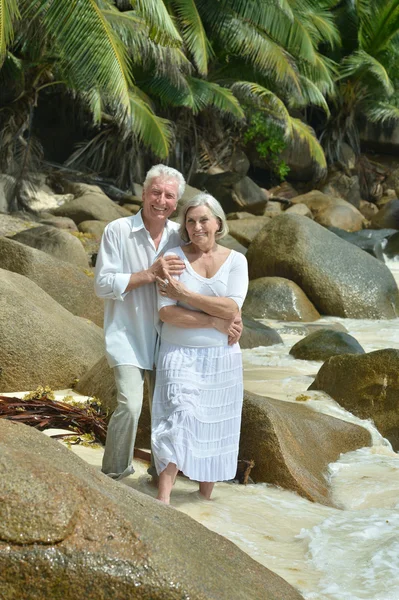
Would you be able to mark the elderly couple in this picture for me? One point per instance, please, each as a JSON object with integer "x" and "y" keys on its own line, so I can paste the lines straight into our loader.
{"x": 152, "y": 272}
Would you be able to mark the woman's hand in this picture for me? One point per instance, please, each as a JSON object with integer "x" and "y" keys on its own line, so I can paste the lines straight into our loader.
{"x": 230, "y": 327}
{"x": 171, "y": 287}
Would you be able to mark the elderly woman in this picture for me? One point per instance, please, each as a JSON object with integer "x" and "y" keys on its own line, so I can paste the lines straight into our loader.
{"x": 198, "y": 396}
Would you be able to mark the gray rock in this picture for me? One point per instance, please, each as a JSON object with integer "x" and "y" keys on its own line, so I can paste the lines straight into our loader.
{"x": 343, "y": 186}
{"x": 85, "y": 536}
{"x": 256, "y": 334}
{"x": 369, "y": 240}
{"x": 387, "y": 217}
{"x": 233, "y": 191}
{"x": 41, "y": 342}
{"x": 322, "y": 344}
{"x": 293, "y": 445}
{"x": 245, "y": 230}
{"x": 338, "y": 278}
{"x": 278, "y": 298}
{"x": 60, "y": 222}
{"x": 70, "y": 286}
{"x": 55, "y": 242}
{"x": 367, "y": 386}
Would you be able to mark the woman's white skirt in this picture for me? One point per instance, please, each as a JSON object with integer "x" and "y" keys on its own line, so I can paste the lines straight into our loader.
{"x": 196, "y": 410}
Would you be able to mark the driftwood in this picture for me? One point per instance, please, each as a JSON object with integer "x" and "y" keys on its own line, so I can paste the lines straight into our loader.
{"x": 44, "y": 413}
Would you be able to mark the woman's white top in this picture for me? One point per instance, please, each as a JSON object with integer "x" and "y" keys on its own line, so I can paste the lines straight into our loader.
{"x": 230, "y": 281}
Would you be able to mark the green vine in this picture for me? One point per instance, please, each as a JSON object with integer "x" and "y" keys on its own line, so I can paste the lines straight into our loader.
{"x": 269, "y": 142}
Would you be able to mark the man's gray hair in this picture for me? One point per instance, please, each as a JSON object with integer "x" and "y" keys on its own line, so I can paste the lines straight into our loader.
{"x": 214, "y": 206}
{"x": 168, "y": 173}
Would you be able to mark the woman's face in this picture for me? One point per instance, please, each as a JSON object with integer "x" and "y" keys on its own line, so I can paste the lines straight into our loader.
{"x": 201, "y": 225}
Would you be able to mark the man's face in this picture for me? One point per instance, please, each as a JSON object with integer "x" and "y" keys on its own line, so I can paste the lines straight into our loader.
{"x": 159, "y": 199}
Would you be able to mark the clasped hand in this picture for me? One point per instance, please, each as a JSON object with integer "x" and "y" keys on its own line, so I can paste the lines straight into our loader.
{"x": 171, "y": 264}
{"x": 170, "y": 287}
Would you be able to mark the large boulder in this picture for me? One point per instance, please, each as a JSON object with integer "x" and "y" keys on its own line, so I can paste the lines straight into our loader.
{"x": 55, "y": 242}
{"x": 391, "y": 248}
{"x": 94, "y": 227}
{"x": 367, "y": 385}
{"x": 41, "y": 342}
{"x": 233, "y": 191}
{"x": 60, "y": 222}
{"x": 228, "y": 241}
{"x": 322, "y": 344}
{"x": 338, "y": 278}
{"x": 340, "y": 185}
{"x": 245, "y": 230}
{"x": 331, "y": 211}
{"x": 278, "y": 298}
{"x": 387, "y": 217}
{"x": 293, "y": 445}
{"x": 68, "y": 531}
{"x": 70, "y": 286}
{"x": 91, "y": 206}
{"x": 99, "y": 381}
{"x": 256, "y": 334}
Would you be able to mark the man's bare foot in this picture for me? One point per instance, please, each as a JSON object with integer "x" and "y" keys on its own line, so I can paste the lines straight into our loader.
{"x": 163, "y": 499}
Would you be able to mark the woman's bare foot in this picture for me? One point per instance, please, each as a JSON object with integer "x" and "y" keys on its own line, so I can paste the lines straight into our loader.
{"x": 166, "y": 481}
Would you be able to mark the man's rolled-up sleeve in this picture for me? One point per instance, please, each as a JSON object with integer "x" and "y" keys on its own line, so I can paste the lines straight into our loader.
{"x": 110, "y": 281}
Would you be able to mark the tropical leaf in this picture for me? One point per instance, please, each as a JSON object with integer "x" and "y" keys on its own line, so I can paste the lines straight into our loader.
{"x": 379, "y": 25}
{"x": 264, "y": 99}
{"x": 153, "y": 131}
{"x": 360, "y": 63}
{"x": 310, "y": 95}
{"x": 304, "y": 133}
{"x": 382, "y": 112}
{"x": 193, "y": 33}
{"x": 162, "y": 27}
{"x": 88, "y": 49}
{"x": 9, "y": 13}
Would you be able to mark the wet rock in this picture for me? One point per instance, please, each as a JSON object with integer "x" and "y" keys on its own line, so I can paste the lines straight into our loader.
{"x": 70, "y": 286}
{"x": 293, "y": 445}
{"x": 278, "y": 298}
{"x": 99, "y": 381}
{"x": 367, "y": 386}
{"x": 320, "y": 345}
{"x": 94, "y": 227}
{"x": 338, "y": 278}
{"x": 41, "y": 342}
{"x": 256, "y": 334}
{"x": 91, "y": 206}
{"x": 369, "y": 240}
{"x": 387, "y": 217}
{"x": 330, "y": 211}
{"x": 85, "y": 536}
{"x": 245, "y": 230}
{"x": 55, "y": 242}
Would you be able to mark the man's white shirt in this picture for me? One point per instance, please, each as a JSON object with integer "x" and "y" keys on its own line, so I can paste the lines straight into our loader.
{"x": 131, "y": 322}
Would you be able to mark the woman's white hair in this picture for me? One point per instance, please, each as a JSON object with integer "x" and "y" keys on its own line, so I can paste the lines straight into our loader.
{"x": 214, "y": 206}
{"x": 168, "y": 173}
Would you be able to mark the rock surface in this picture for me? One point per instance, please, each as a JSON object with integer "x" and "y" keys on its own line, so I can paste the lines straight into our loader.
{"x": 338, "y": 278}
{"x": 245, "y": 230}
{"x": 293, "y": 445}
{"x": 387, "y": 217}
{"x": 68, "y": 532}
{"x": 322, "y": 344}
{"x": 278, "y": 298}
{"x": 55, "y": 242}
{"x": 256, "y": 334}
{"x": 70, "y": 286}
{"x": 331, "y": 211}
{"x": 366, "y": 385}
{"x": 91, "y": 206}
{"x": 41, "y": 342}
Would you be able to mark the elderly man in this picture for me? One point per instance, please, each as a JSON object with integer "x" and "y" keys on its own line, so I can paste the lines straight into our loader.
{"x": 128, "y": 262}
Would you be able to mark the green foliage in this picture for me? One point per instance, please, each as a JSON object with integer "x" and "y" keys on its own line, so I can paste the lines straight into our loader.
{"x": 269, "y": 141}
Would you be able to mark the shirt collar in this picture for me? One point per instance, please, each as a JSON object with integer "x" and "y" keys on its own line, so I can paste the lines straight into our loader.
{"x": 138, "y": 223}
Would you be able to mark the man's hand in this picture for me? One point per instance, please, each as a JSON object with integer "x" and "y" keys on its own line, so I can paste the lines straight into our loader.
{"x": 231, "y": 327}
{"x": 172, "y": 264}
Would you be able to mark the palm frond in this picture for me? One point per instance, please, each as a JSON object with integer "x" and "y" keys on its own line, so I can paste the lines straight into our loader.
{"x": 310, "y": 95}
{"x": 88, "y": 49}
{"x": 153, "y": 131}
{"x": 380, "y": 24}
{"x": 382, "y": 112}
{"x": 9, "y": 13}
{"x": 267, "y": 101}
{"x": 206, "y": 93}
{"x": 305, "y": 134}
{"x": 193, "y": 33}
{"x": 162, "y": 27}
{"x": 361, "y": 63}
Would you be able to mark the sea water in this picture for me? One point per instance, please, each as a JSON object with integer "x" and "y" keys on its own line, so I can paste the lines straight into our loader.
{"x": 350, "y": 552}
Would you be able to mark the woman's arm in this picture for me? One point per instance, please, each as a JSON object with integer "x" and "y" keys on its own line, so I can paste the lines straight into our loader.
{"x": 192, "y": 319}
